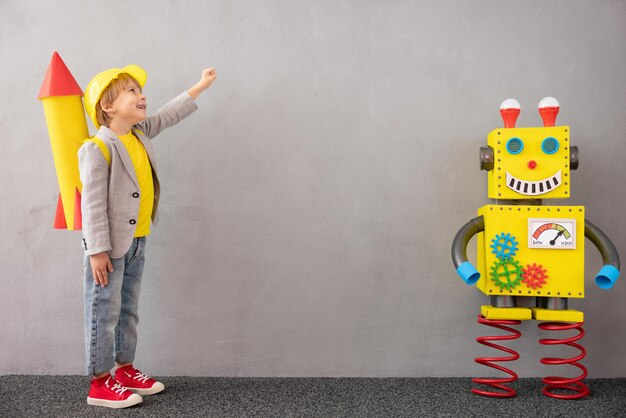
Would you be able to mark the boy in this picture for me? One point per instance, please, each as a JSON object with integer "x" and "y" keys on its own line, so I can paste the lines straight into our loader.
{"x": 119, "y": 199}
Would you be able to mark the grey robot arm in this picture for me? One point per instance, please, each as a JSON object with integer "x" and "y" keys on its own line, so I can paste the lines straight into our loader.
{"x": 464, "y": 268}
{"x": 608, "y": 274}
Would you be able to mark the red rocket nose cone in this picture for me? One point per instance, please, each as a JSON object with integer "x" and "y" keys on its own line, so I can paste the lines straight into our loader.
{"x": 59, "y": 81}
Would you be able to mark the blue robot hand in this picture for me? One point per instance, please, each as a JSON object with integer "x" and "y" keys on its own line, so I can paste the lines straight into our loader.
{"x": 607, "y": 276}
{"x": 468, "y": 273}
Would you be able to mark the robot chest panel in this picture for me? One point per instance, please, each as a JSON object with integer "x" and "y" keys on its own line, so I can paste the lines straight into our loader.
{"x": 532, "y": 251}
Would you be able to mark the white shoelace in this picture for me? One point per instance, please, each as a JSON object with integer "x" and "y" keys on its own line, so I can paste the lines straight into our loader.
{"x": 141, "y": 377}
{"x": 117, "y": 388}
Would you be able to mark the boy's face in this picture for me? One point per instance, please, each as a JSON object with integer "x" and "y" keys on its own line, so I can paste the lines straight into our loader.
{"x": 130, "y": 105}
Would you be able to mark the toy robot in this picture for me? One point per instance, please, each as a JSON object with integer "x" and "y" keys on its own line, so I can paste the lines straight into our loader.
{"x": 530, "y": 250}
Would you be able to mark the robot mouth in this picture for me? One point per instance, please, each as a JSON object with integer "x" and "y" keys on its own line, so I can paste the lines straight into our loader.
{"x": 533, "y": 188}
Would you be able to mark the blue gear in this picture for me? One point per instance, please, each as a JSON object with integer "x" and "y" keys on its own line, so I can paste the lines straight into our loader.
{"x": 504, "y": 245}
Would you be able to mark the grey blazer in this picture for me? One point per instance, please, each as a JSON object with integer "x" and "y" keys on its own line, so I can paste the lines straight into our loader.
{"x": 110, "y": 196}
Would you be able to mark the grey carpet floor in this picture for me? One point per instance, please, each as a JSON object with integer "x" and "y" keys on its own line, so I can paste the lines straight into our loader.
{"x": 65, "y": 396}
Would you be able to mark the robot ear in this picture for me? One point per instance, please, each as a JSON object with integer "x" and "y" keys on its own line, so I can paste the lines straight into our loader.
{"x": 548, "y": 109}
{"x": 509, "y": 110}
{"x": 574, "y": 158}
{"x": 486, "y": 158}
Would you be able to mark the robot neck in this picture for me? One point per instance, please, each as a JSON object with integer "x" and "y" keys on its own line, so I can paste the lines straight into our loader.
{"x": 514, "y": 202}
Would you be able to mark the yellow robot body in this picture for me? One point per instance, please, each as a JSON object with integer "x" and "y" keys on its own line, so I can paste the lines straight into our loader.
{"x": 532, "y": 251}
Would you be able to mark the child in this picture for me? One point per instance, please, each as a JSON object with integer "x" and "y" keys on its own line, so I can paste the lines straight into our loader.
{"x": 119, "y": 199}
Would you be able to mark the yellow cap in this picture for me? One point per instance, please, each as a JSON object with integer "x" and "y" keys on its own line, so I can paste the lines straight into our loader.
{"x": 101, "y": 81}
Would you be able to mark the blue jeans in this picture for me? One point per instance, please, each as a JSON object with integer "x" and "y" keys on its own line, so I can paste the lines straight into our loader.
{"x": 111, "y": 311}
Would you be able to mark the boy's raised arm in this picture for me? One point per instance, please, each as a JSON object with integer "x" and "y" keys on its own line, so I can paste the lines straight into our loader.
{"x": 206, "y": 79}
{"x": 178, "y": 108}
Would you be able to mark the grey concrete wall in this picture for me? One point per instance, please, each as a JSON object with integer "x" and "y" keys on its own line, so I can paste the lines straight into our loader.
{"x": 309, "y": 206}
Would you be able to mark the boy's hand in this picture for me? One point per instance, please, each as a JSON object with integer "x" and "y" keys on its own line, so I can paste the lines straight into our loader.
{"x": 100, "y": 266}
{"x": 206, "y": 79}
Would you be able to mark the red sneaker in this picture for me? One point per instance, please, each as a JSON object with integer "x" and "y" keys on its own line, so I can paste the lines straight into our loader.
{"x": 107, "y": 392}
{"x": 133, "y": 379}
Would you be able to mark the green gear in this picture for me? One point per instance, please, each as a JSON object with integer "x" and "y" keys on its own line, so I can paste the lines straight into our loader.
{"x": 506, "y": 273}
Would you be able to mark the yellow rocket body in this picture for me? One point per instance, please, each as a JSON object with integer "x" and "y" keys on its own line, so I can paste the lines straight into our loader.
{"x": 67, "y": 127}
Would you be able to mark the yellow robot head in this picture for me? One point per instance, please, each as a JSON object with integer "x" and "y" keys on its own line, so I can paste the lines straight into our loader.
{"x": 529, "y": 163}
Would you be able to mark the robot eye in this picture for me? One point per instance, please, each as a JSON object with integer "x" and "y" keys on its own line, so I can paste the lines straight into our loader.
{"x": 550, "y": 145}
{"x": 514, "y": 146}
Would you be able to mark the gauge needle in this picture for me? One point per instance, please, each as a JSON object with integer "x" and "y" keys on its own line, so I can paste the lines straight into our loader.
{"x": 555, "y": 238}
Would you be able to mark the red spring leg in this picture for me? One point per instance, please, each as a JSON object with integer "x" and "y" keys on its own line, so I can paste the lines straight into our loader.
{"x": 574, "y": 384}
{"x": 498, "y": 383}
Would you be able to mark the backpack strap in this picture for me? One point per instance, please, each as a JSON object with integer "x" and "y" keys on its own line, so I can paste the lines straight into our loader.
{"x": 100, "y": 143}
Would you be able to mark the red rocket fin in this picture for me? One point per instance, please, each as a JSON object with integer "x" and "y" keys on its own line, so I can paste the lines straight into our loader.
{"x": 78, "y": 214}
{"x": 59, "y": 219}
{"x": 59, "y": 80}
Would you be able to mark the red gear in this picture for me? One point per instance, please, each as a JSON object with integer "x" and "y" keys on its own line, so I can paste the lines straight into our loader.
{"x": 534, "y": 276}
